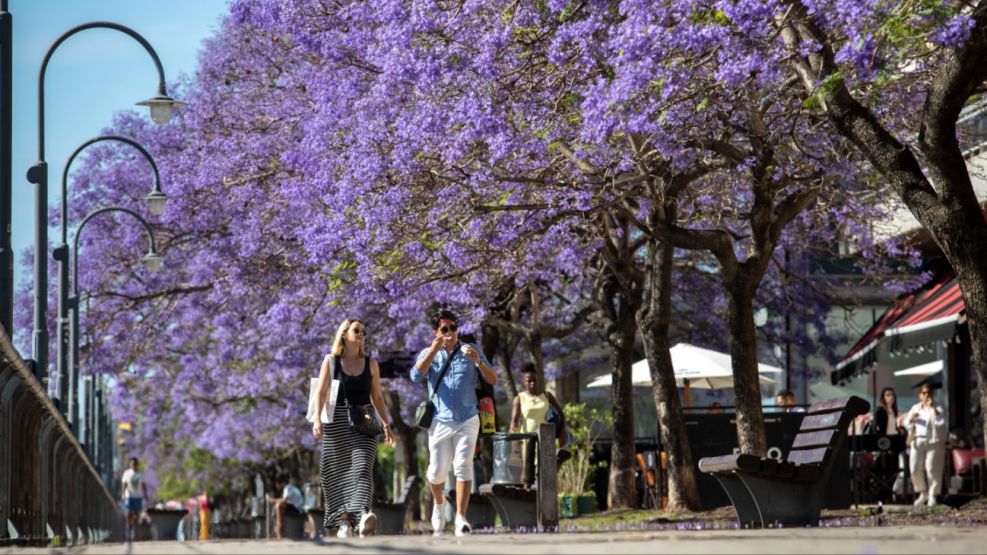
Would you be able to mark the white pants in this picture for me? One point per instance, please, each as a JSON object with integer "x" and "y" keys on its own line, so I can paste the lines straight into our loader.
{"x": 925, "y": 463}
{"x": 453, "y": 442}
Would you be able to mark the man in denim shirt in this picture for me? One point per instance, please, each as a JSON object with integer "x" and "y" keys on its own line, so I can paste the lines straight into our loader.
{"x": 452, "y": 436}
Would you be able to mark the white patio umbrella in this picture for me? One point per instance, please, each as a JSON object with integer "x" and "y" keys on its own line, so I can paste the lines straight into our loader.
{"x": 694, "y": 367}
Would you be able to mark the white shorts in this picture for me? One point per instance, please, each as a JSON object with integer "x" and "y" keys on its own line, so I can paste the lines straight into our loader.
{"x": 452, "y": 442}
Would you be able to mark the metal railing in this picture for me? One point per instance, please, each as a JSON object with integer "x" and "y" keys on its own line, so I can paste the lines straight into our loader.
{"x": 50, "y": 493}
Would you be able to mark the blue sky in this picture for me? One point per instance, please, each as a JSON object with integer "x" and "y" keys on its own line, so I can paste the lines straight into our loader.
{"x": 91, "y": 76}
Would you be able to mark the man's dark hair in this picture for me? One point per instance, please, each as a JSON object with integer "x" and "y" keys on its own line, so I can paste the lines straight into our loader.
{"x": 443, "y": 314}
{"x": 529, "y": 368}
{"x": 134, "y": 460}
{"x": 282, "y": 479}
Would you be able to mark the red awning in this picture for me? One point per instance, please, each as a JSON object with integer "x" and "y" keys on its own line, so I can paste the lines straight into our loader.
{"x": 923, "y": 316}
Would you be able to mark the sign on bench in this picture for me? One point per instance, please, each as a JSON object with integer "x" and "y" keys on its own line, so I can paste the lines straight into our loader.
{"x": 767, "y": 492}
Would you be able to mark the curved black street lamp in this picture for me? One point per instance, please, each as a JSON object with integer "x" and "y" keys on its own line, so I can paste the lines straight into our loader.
{"x": 66, "y": 375}
{"x": 161, "y": 106}
{"x": 152, "y": 260}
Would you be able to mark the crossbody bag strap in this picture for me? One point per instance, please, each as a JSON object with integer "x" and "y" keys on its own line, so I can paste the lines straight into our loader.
{"x": 445, "y": 367}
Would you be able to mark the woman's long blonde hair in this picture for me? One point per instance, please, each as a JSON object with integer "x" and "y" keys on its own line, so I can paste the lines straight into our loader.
{"x": 339, "y": 344}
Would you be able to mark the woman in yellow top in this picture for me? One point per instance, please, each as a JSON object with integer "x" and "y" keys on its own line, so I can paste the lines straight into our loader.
{"x": 531, "y": 408}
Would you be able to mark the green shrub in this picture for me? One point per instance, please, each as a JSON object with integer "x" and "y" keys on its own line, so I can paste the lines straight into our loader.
{"x": 584, "y": 426}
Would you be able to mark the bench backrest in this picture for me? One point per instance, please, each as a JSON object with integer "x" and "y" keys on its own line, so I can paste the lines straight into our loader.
{"x": 823, "y": 429}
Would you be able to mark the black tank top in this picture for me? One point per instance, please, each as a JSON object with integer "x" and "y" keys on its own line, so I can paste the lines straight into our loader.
{"x": 353, "y": 389}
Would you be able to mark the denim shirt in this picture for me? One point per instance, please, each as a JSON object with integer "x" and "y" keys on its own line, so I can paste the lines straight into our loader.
{"x": 456, "y": 397}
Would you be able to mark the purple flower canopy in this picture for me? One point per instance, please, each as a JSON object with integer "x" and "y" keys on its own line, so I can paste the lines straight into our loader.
{"x": 372, "y": 159}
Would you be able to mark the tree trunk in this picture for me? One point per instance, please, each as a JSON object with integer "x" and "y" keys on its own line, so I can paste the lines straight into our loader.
{"x": 974, "y": 287}
{"x": 567, "y": 386}
{"x": 619, "y": 310}
{"x": 506, "y": 356}
{"x": 743, "y": 351}
{"x": 654, "y": 318}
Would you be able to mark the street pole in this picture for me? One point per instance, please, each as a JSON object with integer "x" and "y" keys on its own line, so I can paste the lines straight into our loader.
{"x": 70, "y": 351}
{"x": 66, "y": 382}
{"x": 6, "y": 200}
{"x": 161, "y": 107}
{"x": 67, "y": 371}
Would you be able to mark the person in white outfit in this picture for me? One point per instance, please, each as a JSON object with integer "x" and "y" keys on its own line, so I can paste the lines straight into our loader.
{"x": 927, "y": 424}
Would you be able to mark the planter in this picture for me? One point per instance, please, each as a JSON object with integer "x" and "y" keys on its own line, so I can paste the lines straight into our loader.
{"x": 575, "y": 505}
{"x": 585, "y": 504}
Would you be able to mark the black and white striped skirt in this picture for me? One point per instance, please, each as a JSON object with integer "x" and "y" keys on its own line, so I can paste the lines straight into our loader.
{"x": 346, "y": 469}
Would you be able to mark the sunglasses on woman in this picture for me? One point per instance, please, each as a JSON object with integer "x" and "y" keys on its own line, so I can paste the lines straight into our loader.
{"x": 449, "y": 328}
{"x": 359, "y": 331}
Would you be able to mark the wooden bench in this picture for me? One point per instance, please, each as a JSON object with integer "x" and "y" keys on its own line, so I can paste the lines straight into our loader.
{"x": 766, "y": 492}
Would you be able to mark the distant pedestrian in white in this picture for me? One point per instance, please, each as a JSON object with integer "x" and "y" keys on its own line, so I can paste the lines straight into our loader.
{"x": 927, "y": 425}
{"x": 133, "y": 491}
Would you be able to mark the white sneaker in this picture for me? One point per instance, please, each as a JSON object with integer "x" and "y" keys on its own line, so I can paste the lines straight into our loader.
{"x": 922, "y": 500}
{"x": 438, "y": 519}
{"x": 932, "y": 501}
{"x": 368, "y": 524}
{"x": 463, "y": 527}
{"x": 344, "y": 531}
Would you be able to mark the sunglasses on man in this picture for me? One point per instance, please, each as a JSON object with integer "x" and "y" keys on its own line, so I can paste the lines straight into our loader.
{"x": 449, "y": 328}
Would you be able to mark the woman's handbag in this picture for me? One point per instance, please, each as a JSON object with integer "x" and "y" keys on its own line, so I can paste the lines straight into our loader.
{"x": 361, "y": 419}
{"x": 426, "y": 409}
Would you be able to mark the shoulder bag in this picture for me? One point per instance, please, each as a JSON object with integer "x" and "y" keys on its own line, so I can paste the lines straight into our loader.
{"x": 426, "y": 409}
{"x": 361, "y": 418}
{"x": 313, "y": 396}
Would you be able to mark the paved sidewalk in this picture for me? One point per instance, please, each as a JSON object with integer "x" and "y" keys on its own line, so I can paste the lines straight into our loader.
{"x": 801, "y": 541}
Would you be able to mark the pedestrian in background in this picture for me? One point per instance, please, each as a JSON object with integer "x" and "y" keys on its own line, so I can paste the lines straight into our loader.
{"x": 205, "y": 513}
{"x": 347, "y": 463}
{"x": 786, "y": 400}
{"x": 133, "y": 492}
{"x": 290, "y": 501}
{"x": 531, "y": 409}
{"x": 455, "y": 425}
{"x": 927, "y": 432}
{"x": 886, "y": 414}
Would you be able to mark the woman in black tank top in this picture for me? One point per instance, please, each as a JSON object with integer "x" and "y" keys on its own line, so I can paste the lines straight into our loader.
{"x": 354, "y": 389}
{"x": 347, "y": 463}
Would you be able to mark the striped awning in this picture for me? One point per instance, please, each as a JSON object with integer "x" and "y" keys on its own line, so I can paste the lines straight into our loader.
{"x": 923, "y": 316}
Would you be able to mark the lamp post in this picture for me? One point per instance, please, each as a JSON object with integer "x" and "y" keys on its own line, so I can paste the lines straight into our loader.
{"x": 66, "y": 374}
{"x": 161, "y": 106}
{"x": 6, "y": 197}
{"x": 153, "y": 263}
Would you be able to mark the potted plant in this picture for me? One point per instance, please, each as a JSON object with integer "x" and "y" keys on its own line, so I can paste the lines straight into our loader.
{"x": 576, "y": 495}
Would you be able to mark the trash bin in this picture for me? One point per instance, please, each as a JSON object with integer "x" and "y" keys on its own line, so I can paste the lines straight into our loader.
{"x": 514, "y": 458}
{"x": 165, "y": 523}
